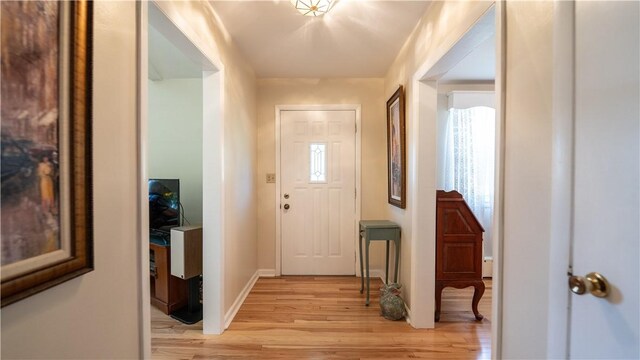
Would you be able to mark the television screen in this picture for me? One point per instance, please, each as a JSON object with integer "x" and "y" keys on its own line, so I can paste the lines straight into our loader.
{"x": 164, "y": 203}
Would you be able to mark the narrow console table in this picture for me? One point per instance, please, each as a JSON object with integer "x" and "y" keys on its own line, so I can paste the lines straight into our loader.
{"x": 372, "y": 230}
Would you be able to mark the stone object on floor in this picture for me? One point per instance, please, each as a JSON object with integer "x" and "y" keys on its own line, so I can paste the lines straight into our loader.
{"x": 391, "y": 304}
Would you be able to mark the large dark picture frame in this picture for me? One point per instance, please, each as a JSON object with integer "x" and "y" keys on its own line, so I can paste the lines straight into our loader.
{"x": 47, "y": 221}
{"x": 396, "y": 150}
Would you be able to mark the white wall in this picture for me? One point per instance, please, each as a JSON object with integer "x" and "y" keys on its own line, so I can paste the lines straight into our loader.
{"x": 368, "y": 93}
{"x": 97, "y": 315}
{"x": 527, "y": 154}
{"x": 527, "y": 179}
{"x": 199, "y": 22}
{"x": 175, "y": 139}
{"x": 438, "y": 30}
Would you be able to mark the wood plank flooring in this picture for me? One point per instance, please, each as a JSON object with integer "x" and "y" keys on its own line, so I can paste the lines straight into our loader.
{"x": 303, "y": 317}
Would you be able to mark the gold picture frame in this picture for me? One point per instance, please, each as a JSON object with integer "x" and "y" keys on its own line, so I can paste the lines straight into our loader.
{"x": 396, "y": 150}
{"x": 47, "y": 221}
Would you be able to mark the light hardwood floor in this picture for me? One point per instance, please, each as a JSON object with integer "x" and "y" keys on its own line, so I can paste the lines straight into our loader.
{"x": 303, "y": 317}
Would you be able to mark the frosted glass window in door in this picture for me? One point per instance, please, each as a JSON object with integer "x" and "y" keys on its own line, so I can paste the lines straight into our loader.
{"x": 317, "y": 163}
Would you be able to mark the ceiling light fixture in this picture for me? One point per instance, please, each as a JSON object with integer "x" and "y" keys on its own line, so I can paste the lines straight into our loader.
{"x": 312, "y": 7}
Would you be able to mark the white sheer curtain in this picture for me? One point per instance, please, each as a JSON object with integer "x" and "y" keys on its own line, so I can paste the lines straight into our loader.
{"x": 469, "y": 162}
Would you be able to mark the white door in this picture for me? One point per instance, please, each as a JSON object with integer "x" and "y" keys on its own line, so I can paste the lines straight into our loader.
{"x": 606, "y": 234}
{"x": 317, "y": 190}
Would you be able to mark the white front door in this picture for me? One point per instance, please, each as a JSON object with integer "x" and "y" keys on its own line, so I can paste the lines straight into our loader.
{"x": 317, "y": 190}
{"x": 606, "y": 236}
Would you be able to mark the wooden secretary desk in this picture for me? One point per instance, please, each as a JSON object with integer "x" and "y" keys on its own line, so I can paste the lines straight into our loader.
{"x": 458, "y": 248}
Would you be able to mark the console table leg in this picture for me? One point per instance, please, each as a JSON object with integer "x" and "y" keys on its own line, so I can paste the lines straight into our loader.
{"x": 439, "y": 288}
{"x": 366, "y": 246}
{"x": 386, "y": 265}
{"x": 361, "y": 264}
{"x": 477, "y": 295}
{"x": 397, "y": 250}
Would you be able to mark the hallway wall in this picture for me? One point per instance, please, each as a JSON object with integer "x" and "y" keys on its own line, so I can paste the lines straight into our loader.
{"x": 441, "y": 27}
{"x": 368, "y": 93}
{"x": 198, "y": 21}
{"x": 527, "y": 178}
{"x": 97, "y": 315}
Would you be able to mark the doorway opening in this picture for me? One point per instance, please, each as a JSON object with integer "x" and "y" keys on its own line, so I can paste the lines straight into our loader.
{"x": 466, "y": 137}
{"x": 175, "y": 173}
{"x": 458, "y": 147}
{"x": 181, "y": 139}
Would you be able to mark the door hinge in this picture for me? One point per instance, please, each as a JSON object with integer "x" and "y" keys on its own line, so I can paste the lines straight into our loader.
{"x": 355, "y": 193}
{"x": 356, "y": 125}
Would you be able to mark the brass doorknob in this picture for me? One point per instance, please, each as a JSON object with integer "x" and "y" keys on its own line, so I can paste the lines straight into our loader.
{"x": 577, "y": 285}
{"x": 593, "y": 282}
{"x": 286, "y": 206}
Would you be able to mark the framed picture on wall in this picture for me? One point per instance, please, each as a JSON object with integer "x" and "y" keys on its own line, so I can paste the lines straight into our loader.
{"x": 396, "y": 149}
{"x": 46, "y": 218}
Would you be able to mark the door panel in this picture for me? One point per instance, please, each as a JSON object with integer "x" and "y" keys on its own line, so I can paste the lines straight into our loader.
{"x": 317, "y": 166}
{"x": 607, "y": 178}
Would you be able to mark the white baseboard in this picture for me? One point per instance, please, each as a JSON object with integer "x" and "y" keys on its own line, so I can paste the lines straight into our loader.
{"x": 228, "y": 317}
{"x": 267, "y": 272}
{"x": 487, "y": 267}
{"x": 377, "y": 273}
{"x": 408, "y": 317}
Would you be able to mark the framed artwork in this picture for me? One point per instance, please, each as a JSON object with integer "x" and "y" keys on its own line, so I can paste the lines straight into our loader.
{"x": 396, "y": 149}
{"x": 46, "y": 219}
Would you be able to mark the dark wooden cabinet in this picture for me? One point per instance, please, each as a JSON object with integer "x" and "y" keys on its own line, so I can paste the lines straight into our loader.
{"x": 458, "y": 248}
{"x": 168, "y": 293}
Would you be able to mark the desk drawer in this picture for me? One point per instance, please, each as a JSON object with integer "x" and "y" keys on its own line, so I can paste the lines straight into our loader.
{"x": 381, "y": 234}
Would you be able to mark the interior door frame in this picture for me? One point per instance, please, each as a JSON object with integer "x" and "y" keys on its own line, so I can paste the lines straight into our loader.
{"x": 358, "y": 153}
{"x": 562, "y": 171}
{"x": 424, "y": 96}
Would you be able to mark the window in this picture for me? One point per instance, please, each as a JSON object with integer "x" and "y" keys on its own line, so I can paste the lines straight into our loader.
{"x": 469, "y": 162}
{"x": 317, "y": 163}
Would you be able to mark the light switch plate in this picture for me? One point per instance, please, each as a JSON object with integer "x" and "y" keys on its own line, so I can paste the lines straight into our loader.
{"x": 271, "y": 178}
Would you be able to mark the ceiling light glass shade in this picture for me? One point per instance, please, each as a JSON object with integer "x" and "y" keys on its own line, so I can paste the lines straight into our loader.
{"x": 312, "y": 7}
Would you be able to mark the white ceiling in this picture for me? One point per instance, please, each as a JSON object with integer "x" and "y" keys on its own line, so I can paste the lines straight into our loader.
{"x": 357, "y": 38}
{"x": 479, "y": 65}
{"x": 166, "y": 61}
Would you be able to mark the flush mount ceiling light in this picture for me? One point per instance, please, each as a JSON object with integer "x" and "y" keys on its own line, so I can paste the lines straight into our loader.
{"x": 312, "y": 7}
